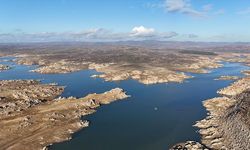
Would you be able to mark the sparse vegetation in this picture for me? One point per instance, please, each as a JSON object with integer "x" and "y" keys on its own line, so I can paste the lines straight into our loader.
{"x": 198, "y": 52}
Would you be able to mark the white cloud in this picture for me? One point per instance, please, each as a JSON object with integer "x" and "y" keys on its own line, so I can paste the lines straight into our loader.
{"x": 182, "y": 6}
{"x": 142, "y": 31}
{"x": 98, "y": 34}
{"x": 244, "y": 12}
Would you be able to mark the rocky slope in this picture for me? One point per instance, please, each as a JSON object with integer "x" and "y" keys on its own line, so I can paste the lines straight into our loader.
{"x": 236, "y": 88}
{"x": 31, "y": 118}
{"x": 18, "y": 95}
{"x": 228, "y": 125}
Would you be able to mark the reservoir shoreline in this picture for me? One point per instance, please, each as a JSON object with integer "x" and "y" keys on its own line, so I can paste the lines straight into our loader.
{"x": 132, "y": 95}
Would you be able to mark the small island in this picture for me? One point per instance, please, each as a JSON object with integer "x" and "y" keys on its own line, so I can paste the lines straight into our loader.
{"x": 228, "y": 78}
{"x": 4, "y": 67}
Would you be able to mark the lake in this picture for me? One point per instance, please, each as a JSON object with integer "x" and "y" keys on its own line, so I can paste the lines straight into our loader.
{"x": 154, "y": 118}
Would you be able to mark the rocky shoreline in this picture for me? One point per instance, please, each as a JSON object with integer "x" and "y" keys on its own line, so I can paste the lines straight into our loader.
{"x": 228, "y": 78}
{"x": 117, "y": 62}
{"x": 246, "y": 72}
{"x": 236, "y": 88}
{"x": 43, "y": 115}
{"x": 227, "y": 125}
{"x": 32, "y": 118}
{"x": 147, "y": 76}
{"x": 189, "y": 145}
{"x": 117, "y": 71}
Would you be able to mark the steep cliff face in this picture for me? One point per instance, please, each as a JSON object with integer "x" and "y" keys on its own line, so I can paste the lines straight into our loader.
{"x": 236, "y": 123}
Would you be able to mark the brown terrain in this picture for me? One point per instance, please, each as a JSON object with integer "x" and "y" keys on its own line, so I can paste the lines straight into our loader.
{"x": 116, "y": 62}
{"x": 236, "y": 57}
{"x": 18, "y": 95}
{"x": 31, "y": 117}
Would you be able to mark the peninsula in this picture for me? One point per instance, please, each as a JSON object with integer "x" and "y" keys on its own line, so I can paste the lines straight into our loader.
{"x": 32, "y": 116}
{"x": 228, "y": 78}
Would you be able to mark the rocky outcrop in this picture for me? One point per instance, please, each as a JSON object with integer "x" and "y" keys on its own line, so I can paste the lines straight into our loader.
{"x": 19, "y": 95}
{"x": 149, "y": 75}
{"x": 49, "y": 120}
{"x": 61, "y": 66}
{"x": 236, "y": 88}
{"x": 209, "y": 127}
{"x": 189, "y": 145}
{"x": 4, "y": 67}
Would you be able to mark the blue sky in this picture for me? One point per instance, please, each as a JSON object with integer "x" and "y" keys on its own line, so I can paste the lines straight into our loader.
{"x": 105, "y": 20}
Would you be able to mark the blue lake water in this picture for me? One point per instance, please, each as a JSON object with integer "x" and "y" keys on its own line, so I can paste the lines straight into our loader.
{"x": 153, "y": 118}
